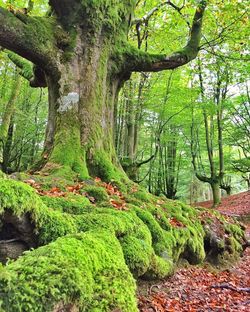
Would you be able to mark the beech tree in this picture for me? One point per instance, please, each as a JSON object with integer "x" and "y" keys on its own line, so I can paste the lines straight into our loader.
{"x": 80, "y": 51}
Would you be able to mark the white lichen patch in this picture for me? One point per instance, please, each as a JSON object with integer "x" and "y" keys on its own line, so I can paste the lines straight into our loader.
{"x": 68, "y": 101}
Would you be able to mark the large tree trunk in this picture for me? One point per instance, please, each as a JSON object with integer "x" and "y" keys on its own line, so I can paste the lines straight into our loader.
{"x": 79, "y": 133}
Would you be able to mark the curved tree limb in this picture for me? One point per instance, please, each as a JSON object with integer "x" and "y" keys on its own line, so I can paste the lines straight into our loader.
{"x": 30, "y": 37}
{"x": 141, "y": 61}
{"x": 28, "y": 71}
{"x": 24, "y": 66}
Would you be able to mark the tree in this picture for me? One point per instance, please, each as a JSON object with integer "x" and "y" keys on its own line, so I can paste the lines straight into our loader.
{"x": 213, "y": 102}
{"x": 81, "y": 53}
{"x": 23, "y": 113}
{"x": 239, "y": 133}
{"x": 6, "y": 128}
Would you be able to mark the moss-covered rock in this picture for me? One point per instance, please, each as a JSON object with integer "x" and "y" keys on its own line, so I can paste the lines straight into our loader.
{"x": 19, "y": 197}
{"x": 72, "y": 203}
{"x": 2, "y": 175}
{"x": 87, "y": 271}
{"x": 153, "y": 234}
{"x": 98, "y": 193}
{"x": 159, "y": 268}
{"x": 224, "y": 238}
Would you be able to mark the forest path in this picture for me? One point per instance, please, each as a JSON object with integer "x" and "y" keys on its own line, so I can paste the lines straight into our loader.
{"x": 192, "y": 289}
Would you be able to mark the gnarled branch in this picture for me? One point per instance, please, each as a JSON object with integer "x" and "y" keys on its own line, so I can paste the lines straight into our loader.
{"x": 30, "y": 37}
{"x": 141, "y": 61}
{"x": 147, "y": 16}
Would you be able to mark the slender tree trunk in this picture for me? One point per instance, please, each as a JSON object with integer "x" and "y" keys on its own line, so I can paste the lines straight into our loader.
{"x": 215, "y": 186}
{"x": 7, "y": 147}
{"x": 9, "y": 109}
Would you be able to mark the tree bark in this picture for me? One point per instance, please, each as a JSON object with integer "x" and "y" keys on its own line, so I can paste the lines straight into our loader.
{"x": 216, "y": 193}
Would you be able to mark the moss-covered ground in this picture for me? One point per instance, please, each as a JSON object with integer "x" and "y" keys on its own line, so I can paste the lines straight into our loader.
{"x": 95, "y": 240}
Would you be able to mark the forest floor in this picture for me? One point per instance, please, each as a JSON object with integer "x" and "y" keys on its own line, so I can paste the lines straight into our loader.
{"x": 196, "y": 288}
{"x": 237, "y": 204}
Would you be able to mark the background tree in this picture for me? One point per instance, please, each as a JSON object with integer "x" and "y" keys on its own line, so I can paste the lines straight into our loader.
{"x": 23, "y": 114}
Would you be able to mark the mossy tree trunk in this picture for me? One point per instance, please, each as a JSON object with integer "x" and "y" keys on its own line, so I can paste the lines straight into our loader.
{"x": 81, "y": 115}
{"x": 82, "y": 55}
{"x": 215, "y": 186}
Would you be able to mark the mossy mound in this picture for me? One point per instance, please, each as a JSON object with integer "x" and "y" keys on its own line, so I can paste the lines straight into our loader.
{"x": 18, "y": 197}
{"x": 153, "y": 234}
{"x": 72, "y": 203}
{"x": 98, "y": 193}
{"x": 224, "y": 238}
{"x": 2, "y": 175}
{"x": 86, "y": 271}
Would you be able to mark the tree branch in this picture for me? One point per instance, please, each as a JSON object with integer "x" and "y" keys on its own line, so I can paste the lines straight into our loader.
{"x": 34, "y": 74}
{"x": 30, "y": 37}
{"x": 24, "y": 66}
{"x": 147, "y": 16}
{"x": 140, "y": 61}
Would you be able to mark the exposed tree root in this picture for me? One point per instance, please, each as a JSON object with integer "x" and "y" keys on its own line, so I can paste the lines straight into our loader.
{"x": 227, "y": 286}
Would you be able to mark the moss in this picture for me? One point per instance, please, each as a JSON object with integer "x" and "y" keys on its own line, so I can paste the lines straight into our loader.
{"x": 2, "y": 175}
{"x": 142, "y": 195}
{"x": 131, "y": 200}
{"x": 235, "y": 230}
{"x": 109, "y": 15}
{"x": 85, "y": 270}
{"x": 19, "y": 198}
{"x": 52, "y": 224}
{"x": 72, "y": 203}
{"x": 234, "y": 246}
{"x": 194, "y": 246}
{"x": 100, "y": 165}
{"x": 118, "y": 222}
{"x": 67, "y": 151}
{"x": 137, "y": 254}
{"x": 99, "y": 193}
{"x": 159, "y": 268}
{"x": 155, "y": 229}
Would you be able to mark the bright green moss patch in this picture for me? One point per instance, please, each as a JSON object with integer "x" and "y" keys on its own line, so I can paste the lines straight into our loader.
{"x": 159, "y": 268}
{"x": 72, "y": 203}
{"x": 98, "y": 193}
{"x": 51, "y": 224}
{"x": 2, "y": 175}
{"x": 19, "y": 198}
{"x": 101, "y": 166}
{"x": 142, "y": 195}
{"x": 137, "y": 254}
{"x": 86, "y": 270}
